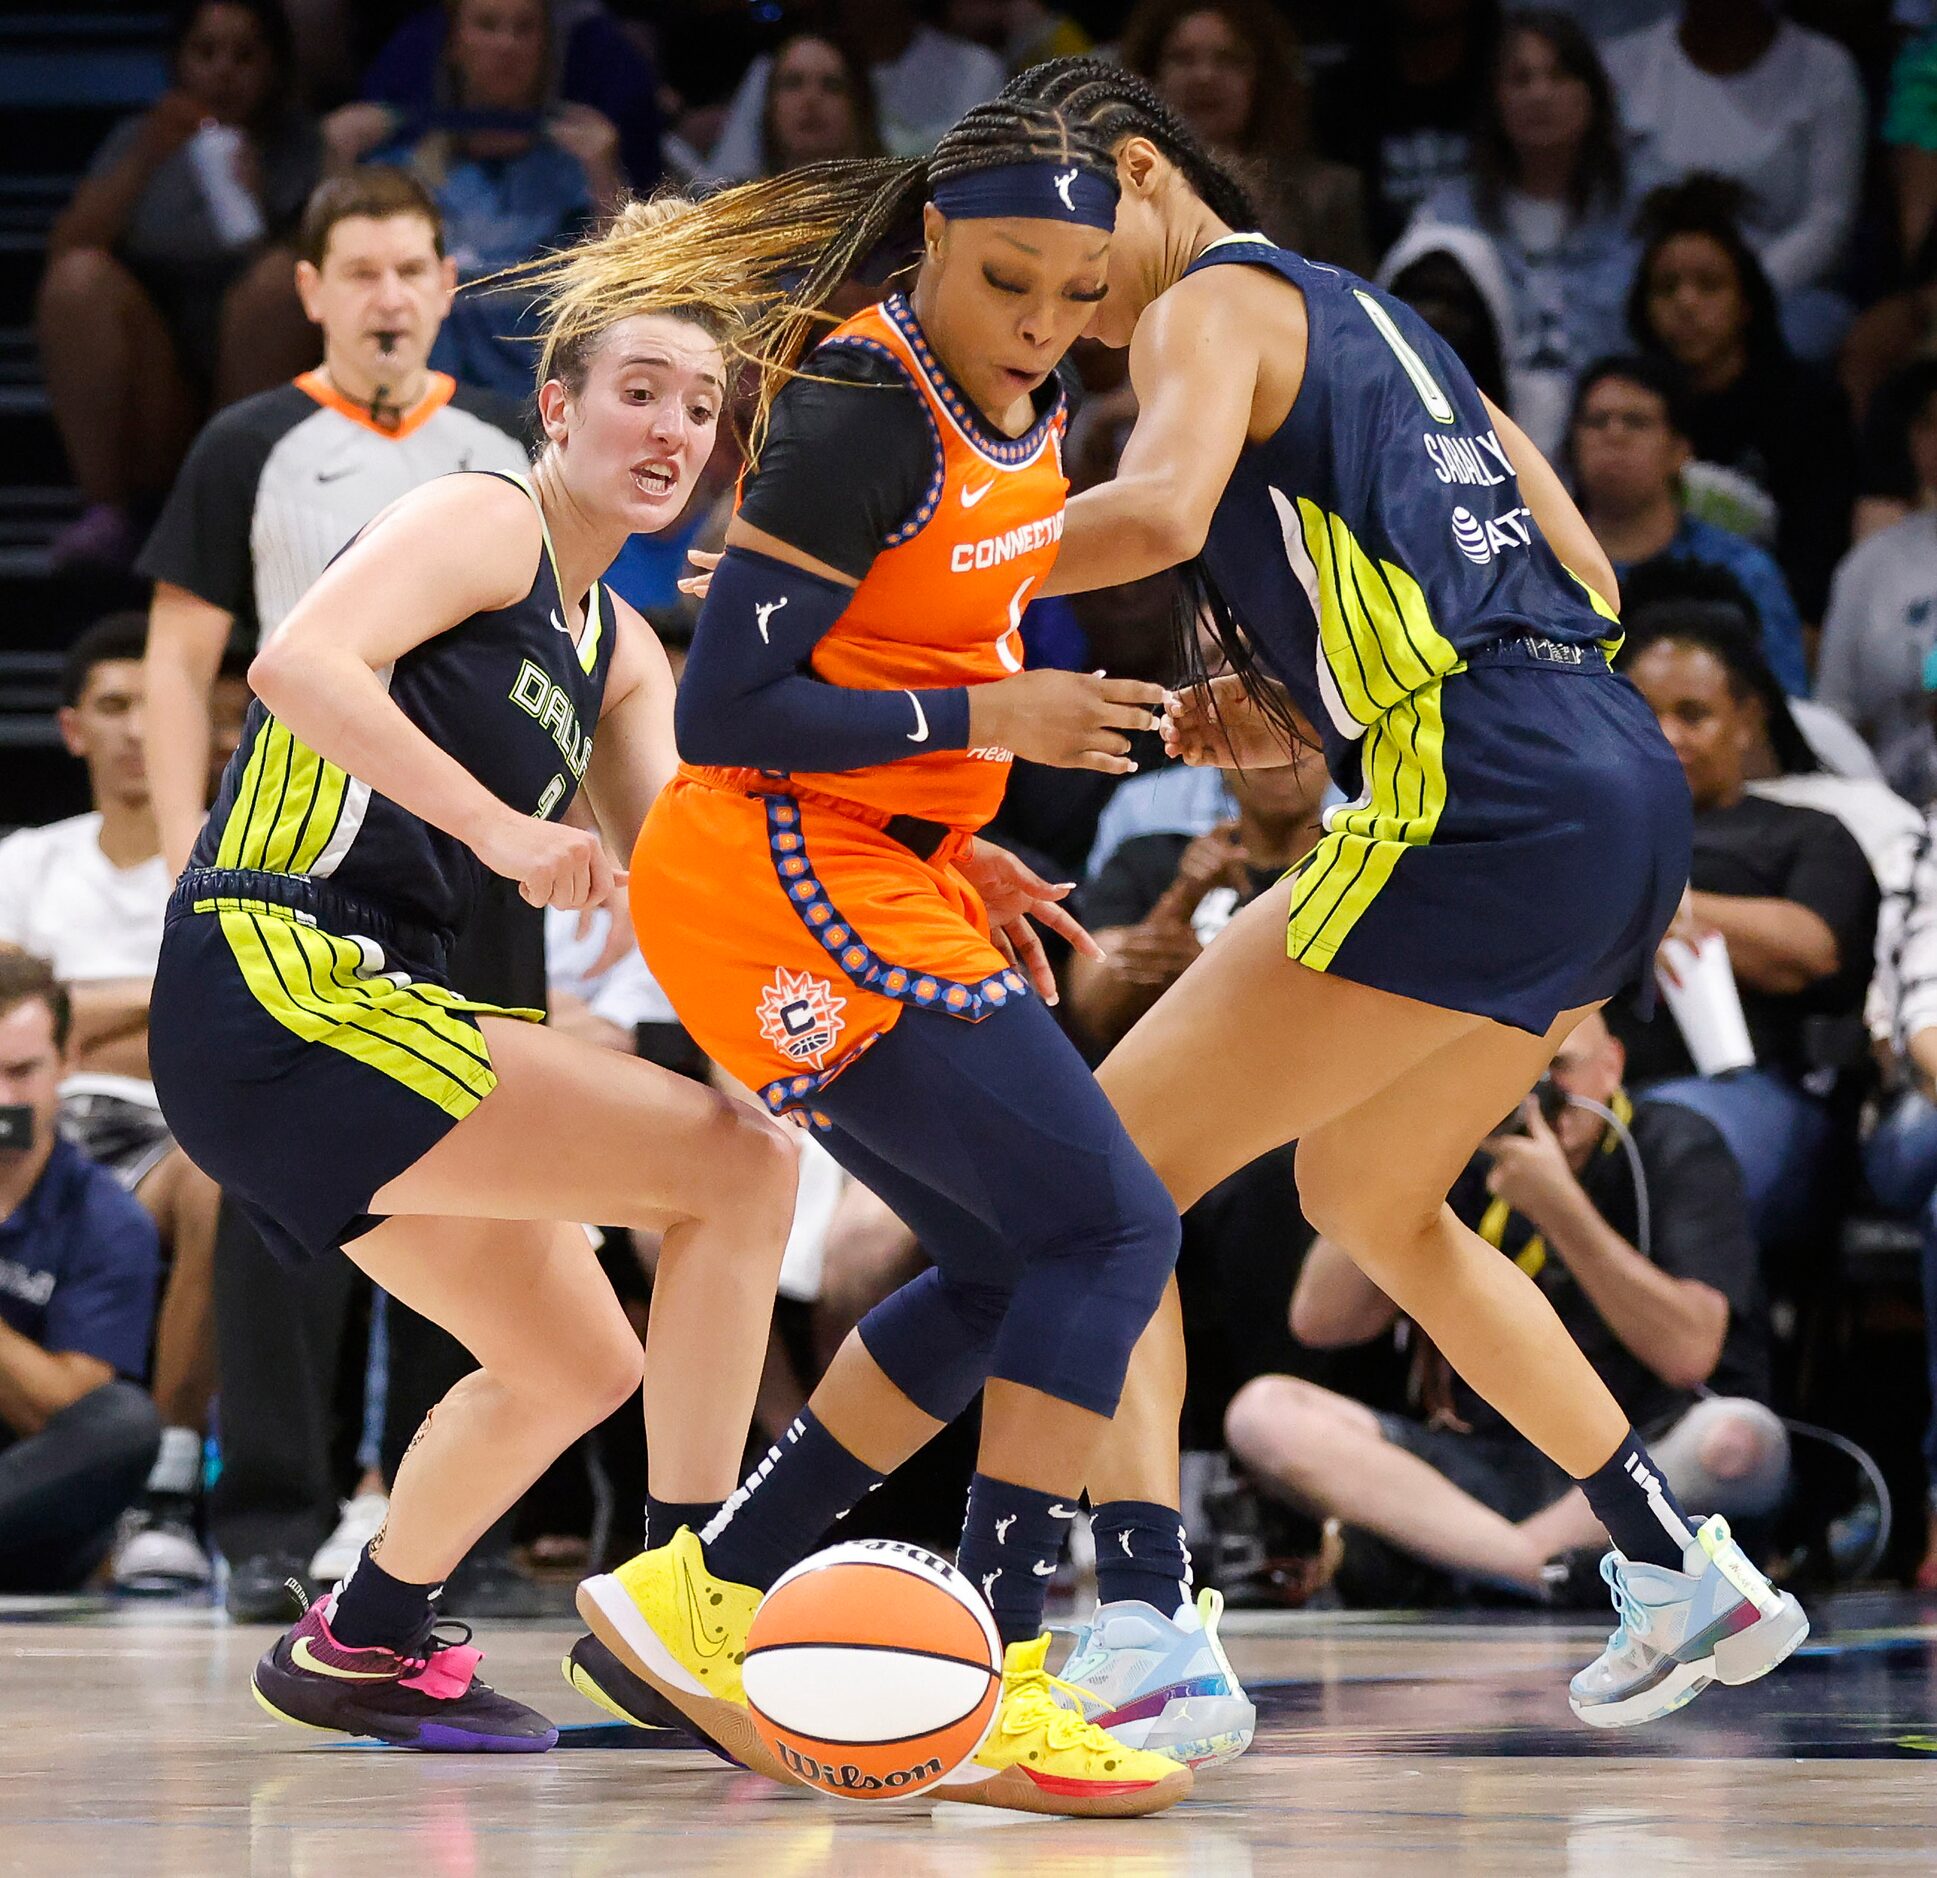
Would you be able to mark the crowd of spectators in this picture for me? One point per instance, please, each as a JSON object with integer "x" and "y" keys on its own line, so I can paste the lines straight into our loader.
{"x": 1691, "y": 245}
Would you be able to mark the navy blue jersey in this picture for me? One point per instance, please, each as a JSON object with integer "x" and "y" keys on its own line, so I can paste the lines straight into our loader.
{"x": 1380, "y": 535}
{"x": 507, "y": 693}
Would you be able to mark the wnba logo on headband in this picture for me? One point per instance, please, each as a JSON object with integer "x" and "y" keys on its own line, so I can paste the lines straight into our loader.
{"x": 1044, "y": 192}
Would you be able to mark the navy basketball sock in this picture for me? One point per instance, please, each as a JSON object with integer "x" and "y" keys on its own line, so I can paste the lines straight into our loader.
{"x": 775, "y": 1517}
{"x": 1638, "y": 1507}
{"x": 665, "y": 1517}
{"x": 1011, "y": 1541}
{"x": 1141, "y": 1554}
{"x": 375, "y": 1611}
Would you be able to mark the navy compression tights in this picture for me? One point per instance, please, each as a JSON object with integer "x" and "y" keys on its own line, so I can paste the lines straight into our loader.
{"x": 1051, "y": 1238}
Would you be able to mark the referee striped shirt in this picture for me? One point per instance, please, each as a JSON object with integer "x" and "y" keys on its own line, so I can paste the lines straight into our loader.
{"x": 277, "y": 484}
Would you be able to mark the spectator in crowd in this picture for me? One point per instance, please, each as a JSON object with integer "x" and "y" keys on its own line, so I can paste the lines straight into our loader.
{"x": 163, "y": 287}
{"x": 1546, "y": 187}
{"x": 1234, "y": 72}
{"x": 1882, "y": 620}
{"x": 78, "y": 1267}
{"x": 819, "y": 104}
{"x": 1630, "y": 448}
{"x": 596, "y": 61}
{"x": 1787, "y": 887}
{"x": 1663, "y": 1296}
{"x": 924, "y": 79}
{"x": 87, "y": 895}
{"x": 1162, "y": 897}
{"x": 1453, "y": 279}
{"x": 1804, "y": 736}
{"x": 513, "y": 172}
{"x": 1890, "y": 334}
{"x": 1400, "y": 109}
{"x": 1775, "y": 458}
{"x": 1732, "y": 89}
{"x": 1910, "y": 131}
{"x": 1900, "y": 1157}
{"x": 271, "y": 491}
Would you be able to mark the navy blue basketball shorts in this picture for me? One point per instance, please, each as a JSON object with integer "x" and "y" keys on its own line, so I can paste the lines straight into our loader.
{"x": 306, "y": 1050}
{"x": 1518, "y": 845}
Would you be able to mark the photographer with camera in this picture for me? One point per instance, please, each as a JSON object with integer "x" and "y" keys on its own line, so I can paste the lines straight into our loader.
{"x": 1631, "y": 1217}
{"x": 79, "y": 1262}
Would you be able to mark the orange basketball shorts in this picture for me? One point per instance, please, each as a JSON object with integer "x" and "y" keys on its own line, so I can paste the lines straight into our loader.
{"x": 790, "y": 935}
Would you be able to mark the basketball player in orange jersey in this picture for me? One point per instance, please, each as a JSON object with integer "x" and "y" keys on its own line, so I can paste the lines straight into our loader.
{"x": 810, "y": 893}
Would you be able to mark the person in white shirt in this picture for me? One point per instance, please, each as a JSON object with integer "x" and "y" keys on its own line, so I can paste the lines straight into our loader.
{"x": 1731, "y": 89}
{"x": 924, "y": 80}
{"x": 87, "y": 894}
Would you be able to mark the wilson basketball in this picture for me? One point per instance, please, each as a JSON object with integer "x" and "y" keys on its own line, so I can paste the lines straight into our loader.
{"x": 873, "y": 1670}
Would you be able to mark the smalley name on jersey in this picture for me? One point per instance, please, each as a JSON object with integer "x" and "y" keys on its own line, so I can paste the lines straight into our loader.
{"x": 992, "y": 550}
{"x": 1475, "y": 462}
{"x": 536, "y": 695}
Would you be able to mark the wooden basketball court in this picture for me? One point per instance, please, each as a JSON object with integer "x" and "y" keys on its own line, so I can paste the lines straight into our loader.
{"x": 129, "y": 1748}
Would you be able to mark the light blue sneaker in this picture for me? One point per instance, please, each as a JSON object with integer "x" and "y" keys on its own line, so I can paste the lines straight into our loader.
{"x": 1163, "y": 1683}
{"x": 1716, "y": 1620}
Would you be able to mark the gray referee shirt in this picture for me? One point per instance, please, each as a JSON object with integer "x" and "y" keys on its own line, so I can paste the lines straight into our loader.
{"x": 276, "y": 485}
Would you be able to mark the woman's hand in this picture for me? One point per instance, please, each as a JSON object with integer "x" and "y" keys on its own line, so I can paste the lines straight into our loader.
{"x": 1690, "y": 928}
{"x": 1219, "y": 725}
{"x": 553, "y": 863}
{"x": 700, "y": 584}
{"x": 352, "y": 131}
{"x": 168, "y": 124}
{"x": 1014, "y": 893}
{"x": 590, "y": 136}
{"x": 1069, "y": 720}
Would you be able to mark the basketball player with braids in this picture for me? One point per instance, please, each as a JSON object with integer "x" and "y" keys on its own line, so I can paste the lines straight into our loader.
{"x": 1399, "y": 578}
{"x": 812, "y": 896}
{"x": 427, "y": 714}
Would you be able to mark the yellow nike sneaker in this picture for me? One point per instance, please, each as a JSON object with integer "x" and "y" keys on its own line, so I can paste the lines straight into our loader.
{"x": 672, "y": 1623}
{"x": 1043, "y": 1757}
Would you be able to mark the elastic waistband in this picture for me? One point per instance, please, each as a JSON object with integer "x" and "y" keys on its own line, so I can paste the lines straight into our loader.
{"x": 923, "y": 838}
{"x": 214, "y": 889}
{"x": 1534, "y": 649}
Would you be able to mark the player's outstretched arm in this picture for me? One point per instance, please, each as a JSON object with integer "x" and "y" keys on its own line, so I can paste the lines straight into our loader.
{"x": 1194, "y": 366}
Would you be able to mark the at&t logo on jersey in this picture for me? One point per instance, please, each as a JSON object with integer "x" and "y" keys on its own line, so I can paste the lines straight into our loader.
{"x": 1480, "y": 541}
{"x": 801, "y": 1017}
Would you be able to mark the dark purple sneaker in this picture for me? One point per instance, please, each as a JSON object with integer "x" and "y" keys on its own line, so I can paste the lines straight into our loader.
{"x": 427, "y": 1697}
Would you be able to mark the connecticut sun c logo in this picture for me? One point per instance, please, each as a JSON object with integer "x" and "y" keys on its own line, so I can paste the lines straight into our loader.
{"x": 801, "y": 1017}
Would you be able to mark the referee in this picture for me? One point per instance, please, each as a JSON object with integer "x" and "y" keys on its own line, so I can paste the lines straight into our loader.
{"x": 271, "y": 491}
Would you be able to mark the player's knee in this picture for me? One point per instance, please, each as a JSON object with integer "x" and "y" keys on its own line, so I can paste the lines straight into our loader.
{"x": 1369, "y": 1219}
{"x": 752, "y": 1164}
{"x": 934, "y": 1339}
{"x": 611, "y": 1375}
{"x": 1141, "y": 1240}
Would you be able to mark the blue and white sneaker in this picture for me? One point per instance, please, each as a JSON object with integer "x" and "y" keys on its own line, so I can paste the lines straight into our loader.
{"x": 1162, "y": 1683}
{"x": 1716, "y": 1620}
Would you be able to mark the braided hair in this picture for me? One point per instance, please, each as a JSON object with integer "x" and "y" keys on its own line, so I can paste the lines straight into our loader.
{"x": 1116, "y": 104}
{"x": 756, "y": 265}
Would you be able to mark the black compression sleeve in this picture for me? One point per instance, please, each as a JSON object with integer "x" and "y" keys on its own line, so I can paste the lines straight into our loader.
{"x": 849, "y": 455}
{"x": 747, "y": 700}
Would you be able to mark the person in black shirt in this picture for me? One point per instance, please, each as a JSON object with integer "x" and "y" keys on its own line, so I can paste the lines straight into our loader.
{"x": 1788, "y": 888}
{"x": 1665, "y": 1301}
{"x": 1162, "y": 898}
{"x": 1774, "y": 444}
